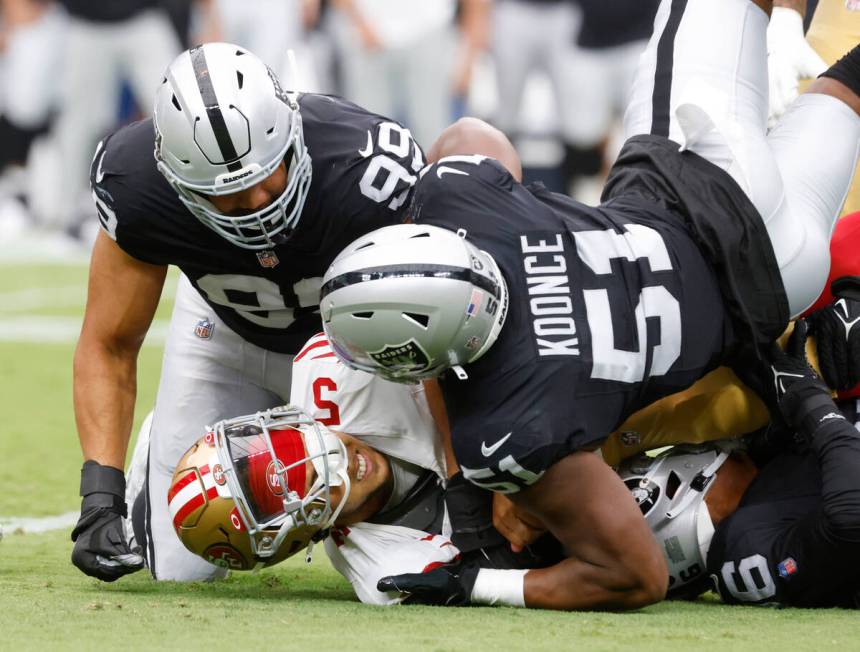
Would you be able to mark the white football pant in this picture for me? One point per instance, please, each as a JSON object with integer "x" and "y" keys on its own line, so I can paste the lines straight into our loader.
{"x": 707, "y": 63}
{"x": 203, "y": 380}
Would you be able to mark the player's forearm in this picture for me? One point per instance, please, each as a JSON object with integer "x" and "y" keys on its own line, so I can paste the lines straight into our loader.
{"x": 105, "y": 386}
{"x": 573, "y": 584}
{"x": 837, "y": 445}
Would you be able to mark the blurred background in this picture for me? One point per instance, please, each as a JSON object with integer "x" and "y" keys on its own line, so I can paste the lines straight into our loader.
{"x": 552, "y": 74}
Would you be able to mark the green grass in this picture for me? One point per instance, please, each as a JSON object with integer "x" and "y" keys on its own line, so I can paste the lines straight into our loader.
{"x": 46, "y": 603}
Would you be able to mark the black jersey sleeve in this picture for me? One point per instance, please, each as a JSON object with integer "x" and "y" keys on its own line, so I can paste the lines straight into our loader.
{"x": 797, "y": 547}
{"x": 130, "y": 194}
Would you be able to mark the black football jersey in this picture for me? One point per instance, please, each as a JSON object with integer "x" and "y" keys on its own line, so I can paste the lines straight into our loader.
{"x": 363, "y": 168}
{"x": 610, "y": 308}
{"x": 795, "y": 536}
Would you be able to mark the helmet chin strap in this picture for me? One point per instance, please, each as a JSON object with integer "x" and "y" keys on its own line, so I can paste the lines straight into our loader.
{"x": 701, "y": 482}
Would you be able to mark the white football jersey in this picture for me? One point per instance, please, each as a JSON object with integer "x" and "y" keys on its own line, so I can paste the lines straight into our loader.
{"x": 394, "y": 419}
{"x": 364, "y": 553}
{"x": 391, "y": 417}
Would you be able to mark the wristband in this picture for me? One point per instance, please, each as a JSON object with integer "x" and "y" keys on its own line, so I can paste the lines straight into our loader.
{"x": 101, "y": 479}
{"x": 500, "y": 587}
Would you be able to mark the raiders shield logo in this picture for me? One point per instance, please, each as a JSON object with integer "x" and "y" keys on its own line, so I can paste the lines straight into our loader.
{"x": 408, "y": 356}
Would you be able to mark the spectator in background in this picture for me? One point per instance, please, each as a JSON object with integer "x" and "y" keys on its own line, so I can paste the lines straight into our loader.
{"x": 611, "y": 38}
{"x": 31, "y": 31}
{"x": 531, "y": 36}
{"x": 271, "y": 27}
{"x": 106, "y": 43}
{"x": 400, "y": 57}
{"x": 588, "y": 49}
{"x": 195, "y": 21}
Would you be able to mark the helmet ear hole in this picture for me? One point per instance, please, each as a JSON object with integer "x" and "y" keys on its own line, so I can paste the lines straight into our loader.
{"x": 673, "y": 482}
{"x": 421, "y": 320}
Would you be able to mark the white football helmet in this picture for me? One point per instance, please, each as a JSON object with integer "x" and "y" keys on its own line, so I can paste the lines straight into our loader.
{"x": 222, "y": 124}
{"x": 241, "y": 496}
{"x": 670, "y": 490}
{"x": 408, "y": 301}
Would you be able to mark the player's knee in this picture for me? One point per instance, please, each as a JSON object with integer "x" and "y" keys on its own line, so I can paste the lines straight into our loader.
{"x": 194, "y": 574}
{"x": 645, "y": 576}
{"x": 652, "y": 582}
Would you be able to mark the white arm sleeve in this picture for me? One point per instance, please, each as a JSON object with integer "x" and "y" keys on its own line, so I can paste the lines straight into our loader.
{"x": 365, "y": 553}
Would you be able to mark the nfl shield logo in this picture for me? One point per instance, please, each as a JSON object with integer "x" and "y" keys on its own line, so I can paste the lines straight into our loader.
{"x": 408, "y": 356}
{"x": 630, "y": 438}
{"x": 786, "y": 568}
{"x": 204, "y": 329}
{"x": 267, "y": 258}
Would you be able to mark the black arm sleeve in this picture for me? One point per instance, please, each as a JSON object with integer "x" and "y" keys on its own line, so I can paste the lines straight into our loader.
{"x": 795, "y": 540}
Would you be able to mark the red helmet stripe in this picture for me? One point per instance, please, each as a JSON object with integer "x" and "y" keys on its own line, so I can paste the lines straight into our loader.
{"x": 180, "y": 484}
{"x": 187, "y": 508}
{"x": 193, "y": 503}
{"x": 263, "y": 482}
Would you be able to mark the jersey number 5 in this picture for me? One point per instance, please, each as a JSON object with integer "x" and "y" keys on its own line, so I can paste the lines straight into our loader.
{"x": 597, "y": 249}
{"x": 328, "y": 385}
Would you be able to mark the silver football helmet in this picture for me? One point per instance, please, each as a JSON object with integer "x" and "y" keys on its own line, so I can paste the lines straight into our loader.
{"x": 408, "y": 301}
{"x": 222, "y": 124}
{"x": 670, "y": 490}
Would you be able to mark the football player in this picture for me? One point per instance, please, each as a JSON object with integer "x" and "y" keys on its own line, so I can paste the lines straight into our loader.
{"x": 251, "y": 192}
{"x": 786, "y": 533}
{"x": 559, "y": 320}
{"x": 386, "y": 507}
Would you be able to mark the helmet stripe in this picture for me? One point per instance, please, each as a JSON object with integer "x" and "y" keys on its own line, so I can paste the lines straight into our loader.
{"x": 410, "y": 271}
{"x": 196, "y": 501}
{"x": 180, "y": 484}
{"x": 213, "y": 109}
{"x": 310, "y": 347}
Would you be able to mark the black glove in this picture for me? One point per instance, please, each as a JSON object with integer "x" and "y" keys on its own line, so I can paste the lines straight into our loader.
{"x": 449, "y": 585}
{"x": 803, "y": 400}
{"x": 100, "y": 546}
{"x": 837, "y": 332}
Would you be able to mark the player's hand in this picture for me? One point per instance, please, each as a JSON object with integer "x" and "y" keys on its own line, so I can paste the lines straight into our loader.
{"x": 518, "y": 527}
{"x": 804, "y": 401}
{"x": 789, "y": 59}
{"x": 837, "y": 339}
{"x": 449, "y": 585}
{"x": 100, "y": 548}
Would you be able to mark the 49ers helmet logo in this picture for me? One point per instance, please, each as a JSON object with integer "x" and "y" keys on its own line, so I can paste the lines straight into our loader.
{"x": 218, "y": 474}
{"x": 273, "y": 471}
{"x": 407, "y": 356}
{"x": 225, "y": 556}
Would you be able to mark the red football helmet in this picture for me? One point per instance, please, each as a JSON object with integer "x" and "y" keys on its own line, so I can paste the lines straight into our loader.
{"x": 256, "y": 489}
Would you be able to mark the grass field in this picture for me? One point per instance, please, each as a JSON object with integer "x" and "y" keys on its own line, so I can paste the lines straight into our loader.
{"x": 47, "y": 603}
